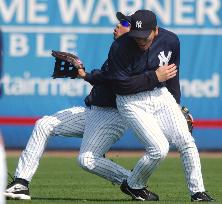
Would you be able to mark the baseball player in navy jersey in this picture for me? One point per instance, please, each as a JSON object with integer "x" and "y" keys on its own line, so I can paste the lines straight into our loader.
{"x": 71, "y": 122}
{"x": 147, "y": 106}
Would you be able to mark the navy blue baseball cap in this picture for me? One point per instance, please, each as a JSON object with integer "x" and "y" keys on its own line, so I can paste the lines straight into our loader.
{"x": 142, "y": 23}
{"x": 120, "y": 16}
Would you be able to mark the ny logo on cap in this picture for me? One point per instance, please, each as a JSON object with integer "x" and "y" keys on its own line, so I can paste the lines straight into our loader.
{"x": 138, "y": 24}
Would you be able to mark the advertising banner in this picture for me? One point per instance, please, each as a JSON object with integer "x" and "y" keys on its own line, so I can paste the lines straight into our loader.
{"x": 30, "y": 29}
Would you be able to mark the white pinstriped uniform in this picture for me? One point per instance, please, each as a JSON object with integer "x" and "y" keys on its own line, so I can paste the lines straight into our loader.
{"x": 104, "y": 126}
{"x": 101, "y": 127}
{"x": 68, "y": 122}
{"x": 3, "y": 175}
{"x": 156, "y": 119}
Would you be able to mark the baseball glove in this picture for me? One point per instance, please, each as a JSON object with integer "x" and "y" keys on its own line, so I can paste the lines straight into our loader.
{"x": 188, "y": 118}
{"x": 66, "y": 65}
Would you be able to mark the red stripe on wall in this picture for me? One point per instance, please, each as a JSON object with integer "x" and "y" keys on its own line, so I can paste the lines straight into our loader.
{"x": 22, "y": 121}
{"x": 208, "y": 123}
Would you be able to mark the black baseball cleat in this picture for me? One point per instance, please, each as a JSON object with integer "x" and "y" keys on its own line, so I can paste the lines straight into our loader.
{"x": 138, "y": 194}
{"x": 18, "y": 189}
{"x": 201, "y": 197}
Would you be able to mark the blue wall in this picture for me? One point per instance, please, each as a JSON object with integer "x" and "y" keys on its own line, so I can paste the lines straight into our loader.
{"x": 31, "y": 29}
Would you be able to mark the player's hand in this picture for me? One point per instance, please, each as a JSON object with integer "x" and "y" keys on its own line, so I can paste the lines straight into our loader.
{"x": 166, "y": 72}
{"x": 81, "y": 73}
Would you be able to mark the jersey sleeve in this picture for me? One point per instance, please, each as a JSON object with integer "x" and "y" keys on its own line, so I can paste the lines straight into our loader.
{"x": 97, "y": 76}
{"x": 138, "y": 83}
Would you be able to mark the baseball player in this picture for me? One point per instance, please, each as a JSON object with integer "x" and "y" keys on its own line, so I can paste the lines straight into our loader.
{"x": 153, "y": 114}
{"x": 3, "y": 175}
{"x": 71, "y": 122}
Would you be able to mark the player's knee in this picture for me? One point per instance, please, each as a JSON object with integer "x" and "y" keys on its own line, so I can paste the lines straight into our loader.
{"x": 87, "y": 160}
{"x": 184, "y": 145}
{"x": 185, "y": 141}
{"x": 159, "y": 152}
{"x": 42, "y": 125}
{"x": 164, "y": 150}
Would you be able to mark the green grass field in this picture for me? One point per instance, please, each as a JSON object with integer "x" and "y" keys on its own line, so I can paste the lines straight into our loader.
{"x": 61, "y": 180}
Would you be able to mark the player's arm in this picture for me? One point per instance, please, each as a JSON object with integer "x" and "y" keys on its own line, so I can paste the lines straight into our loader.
{"x": 146, "y": 81}
{"x": 95, "y": 77}
{"x": 129, "y": 84}
{"x": 117, "y": 68}
{"x": 137, "y": 83}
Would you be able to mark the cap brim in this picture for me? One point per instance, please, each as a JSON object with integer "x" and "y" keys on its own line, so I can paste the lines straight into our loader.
{"x": 120, "y": 16}
{"x": 139, "y": 33}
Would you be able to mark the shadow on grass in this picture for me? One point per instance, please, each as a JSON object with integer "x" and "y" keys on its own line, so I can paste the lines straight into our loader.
{"x": 81, "y": 199}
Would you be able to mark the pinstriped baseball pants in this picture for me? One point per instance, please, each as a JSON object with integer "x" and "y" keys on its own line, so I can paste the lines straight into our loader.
{"x": 69, "y": 122}
{"x": 156, "y": 119}
{"x": 104, "y": 126}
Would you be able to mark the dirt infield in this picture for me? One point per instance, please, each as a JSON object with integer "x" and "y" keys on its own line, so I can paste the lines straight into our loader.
{"x": 114, "y": 153}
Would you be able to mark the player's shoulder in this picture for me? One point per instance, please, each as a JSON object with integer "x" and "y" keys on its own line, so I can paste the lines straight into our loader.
{"x": 168, "y": 35}
{"x": 124, "y": 42}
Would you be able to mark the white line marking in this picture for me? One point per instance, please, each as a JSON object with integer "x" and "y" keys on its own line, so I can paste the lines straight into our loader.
{"x": 41, "y": 29}
{"x": 101, "y": 30}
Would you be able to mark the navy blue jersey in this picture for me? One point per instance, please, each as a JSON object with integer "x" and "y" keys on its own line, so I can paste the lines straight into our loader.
{"x": 165, "y": 49}
{"x": 129, "y": 70}
{"x": 102, "y": 94}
